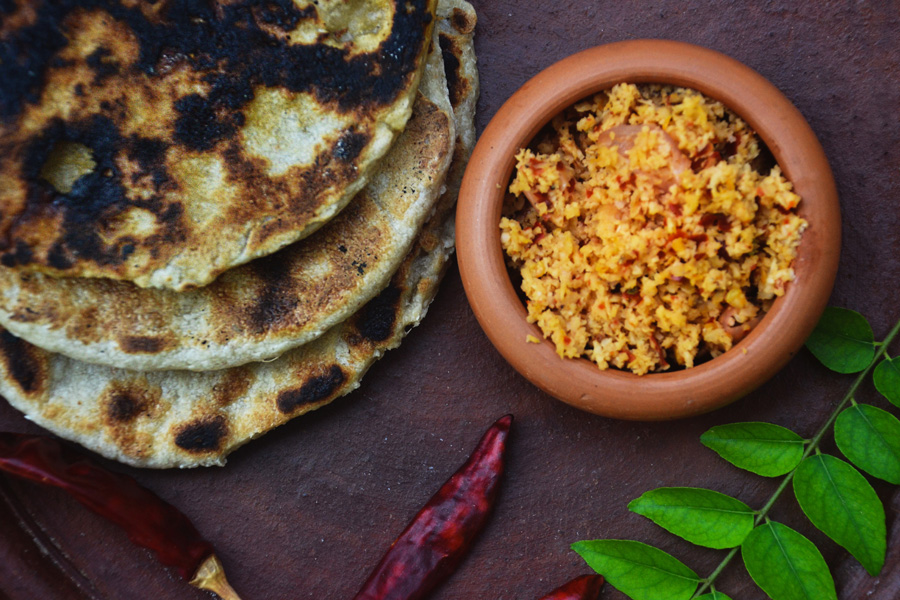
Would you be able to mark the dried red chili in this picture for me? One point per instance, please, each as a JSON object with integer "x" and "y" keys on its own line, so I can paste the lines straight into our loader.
{"x": 586, "y": 587}
{"x": 148, "y": 520}
{"x": 434, "y": 543}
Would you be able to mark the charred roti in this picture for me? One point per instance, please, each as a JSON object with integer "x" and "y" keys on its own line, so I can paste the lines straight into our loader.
{"x": 163, "y": 143}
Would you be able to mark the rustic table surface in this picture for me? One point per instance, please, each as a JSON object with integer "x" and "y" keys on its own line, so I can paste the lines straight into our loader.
{"x": 307, "y": 510}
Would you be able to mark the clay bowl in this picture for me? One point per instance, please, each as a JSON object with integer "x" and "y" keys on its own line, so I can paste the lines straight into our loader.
{"x": 665, "y": 395}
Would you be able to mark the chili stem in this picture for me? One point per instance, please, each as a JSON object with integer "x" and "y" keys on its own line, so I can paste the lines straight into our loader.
{"x": 812, "y": 447}
{"x": 211, "y": 577}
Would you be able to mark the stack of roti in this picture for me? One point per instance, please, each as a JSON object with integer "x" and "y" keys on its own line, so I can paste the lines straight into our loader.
{"x": 214, "y": 217}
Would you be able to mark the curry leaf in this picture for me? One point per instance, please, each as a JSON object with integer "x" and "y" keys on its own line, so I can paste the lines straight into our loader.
{"x": 639, "y": 571}
{"x": 887, "y": 379}
{"x": 839, "y": 501}
{"x": 713, "y": 595}
{"x": 842, "y": 340}
{"x": 703, "y": 517}
{"x": 762, "y": 448}
{"x": 786, "y": 565}
{"x": 870, "y": 438}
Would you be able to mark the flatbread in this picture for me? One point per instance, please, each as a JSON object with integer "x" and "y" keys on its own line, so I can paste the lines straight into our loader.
{"x": 259, "y": 310}
{"x": 163, "y": 143}
{"x": 164, "y": 419}
{"x": 186, "y": 419}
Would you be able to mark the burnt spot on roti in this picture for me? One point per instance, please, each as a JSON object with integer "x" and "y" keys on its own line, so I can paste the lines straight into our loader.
{"x": 350, "y": 145}
{"x": 21, "y": 255}
{"x": 205, "y": 120}
{"x": 230, "y": 39}
{"x": 96, "y": 198}
{"x": 226, "y": 51}
{"x": 25, "y": 364}
{"x": 462, "y": 21}
{"x": 456, "y": 81}
{"x": 100, "y": 62}
{"x": 204, "y": 434}
{"x": 150, "y": 154}
{"x": 123, "y": 404}
{"x": 143, "y": 344}
{"x": 282, "y": 15}
{"x": 278, "y": 299}
{"x": 315, "y": 390}
{"x": 234, "y": 384}
{"x": 375, "y": 321}
{"x": 22, "y": 64}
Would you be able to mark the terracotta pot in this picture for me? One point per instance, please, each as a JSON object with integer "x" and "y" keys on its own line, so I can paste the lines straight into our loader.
{"x": 660, "y": 395}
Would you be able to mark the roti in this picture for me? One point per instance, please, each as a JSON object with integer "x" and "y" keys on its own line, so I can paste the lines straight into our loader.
{"x": 185, "y": 419}
{"x": 259, "y": 310}
{"x": 164, "y": 143}
{"x": 181, "y": 418}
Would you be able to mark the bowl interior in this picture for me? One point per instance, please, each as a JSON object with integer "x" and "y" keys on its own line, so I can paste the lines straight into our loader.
{"x": 660, "y": 395}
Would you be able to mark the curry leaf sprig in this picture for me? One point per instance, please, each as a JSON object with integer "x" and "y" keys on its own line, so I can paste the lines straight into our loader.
{"x": 831, "y": 492}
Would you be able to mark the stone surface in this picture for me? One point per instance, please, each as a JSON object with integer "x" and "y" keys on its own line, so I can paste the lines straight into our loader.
{"x": 307, "y": 510}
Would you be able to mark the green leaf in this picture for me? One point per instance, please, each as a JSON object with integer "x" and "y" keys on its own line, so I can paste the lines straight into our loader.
{"x": 870, "y": 438}
{"x": 839, "y": 501}
{"x": 637, "y": 570}
{"x": 786, "y": 565}
{"x": 703, "y": 517}
{"x": 761, "y": 448}
{"x": 887, "y": 379}
{"x": 842, "y": 340}
{"x": 713, "y": 595}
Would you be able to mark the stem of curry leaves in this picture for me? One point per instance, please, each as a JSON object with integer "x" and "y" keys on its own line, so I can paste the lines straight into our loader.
{"x": 813, "y": 446}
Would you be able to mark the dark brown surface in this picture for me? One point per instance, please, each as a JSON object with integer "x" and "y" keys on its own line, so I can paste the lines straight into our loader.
{"x": 306, "y": 511}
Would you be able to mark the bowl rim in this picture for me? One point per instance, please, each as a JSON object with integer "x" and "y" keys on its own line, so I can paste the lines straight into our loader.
{"x": 657, "y": 396}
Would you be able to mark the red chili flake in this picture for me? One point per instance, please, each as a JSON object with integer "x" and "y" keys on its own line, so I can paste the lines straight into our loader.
{"x": 662, "y": 354}
{"x": 674, "y": 236}
{"x": 721, "y": 221}
{"x": 586, "y": 587}
{"x": 759, "y": 192}
{"x": 567, "y": 340}
{"x": 630, "y": 355}
{"x": 675, "y": 208}
{"x": 434, "y": 543}
{"x": 149, "y": 521}
{"x": 698, "y": 237}
{"x": 540, "y": 198}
